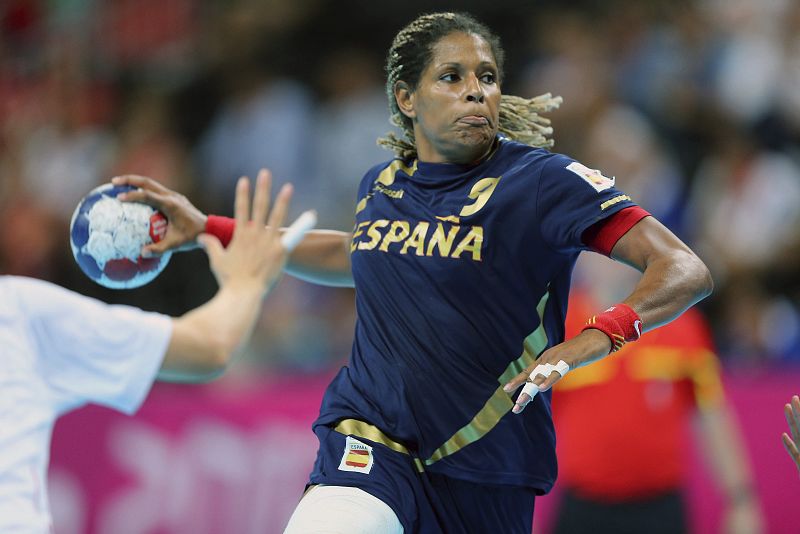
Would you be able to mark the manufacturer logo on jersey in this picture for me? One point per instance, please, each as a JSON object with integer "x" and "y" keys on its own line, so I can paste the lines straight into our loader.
{"x": 357, "y": 457}
{"x": 592, "y": 177}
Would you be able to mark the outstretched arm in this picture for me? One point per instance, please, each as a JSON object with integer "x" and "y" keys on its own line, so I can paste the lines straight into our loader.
{"x": 323, "y": 257}
{"x": 206, "y": 339}
{"x": 673, "y": 278}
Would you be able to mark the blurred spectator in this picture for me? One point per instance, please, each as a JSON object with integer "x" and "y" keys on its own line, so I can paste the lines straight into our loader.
{"x": 745, "y": 210}
{"x": 693, "y": 105}
{"x": 621, "y": 142}
{"x": 351, "y": 117}
{"x": 265, "y": 120}
{"x": 68, "y": 150}
{"x": 147, "y": 144}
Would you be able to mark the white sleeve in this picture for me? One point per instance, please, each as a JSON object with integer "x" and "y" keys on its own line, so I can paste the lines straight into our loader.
{"x": 89, "y": 351}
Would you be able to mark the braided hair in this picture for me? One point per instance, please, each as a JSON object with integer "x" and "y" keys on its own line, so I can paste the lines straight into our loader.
{"x": 412, "y": 51}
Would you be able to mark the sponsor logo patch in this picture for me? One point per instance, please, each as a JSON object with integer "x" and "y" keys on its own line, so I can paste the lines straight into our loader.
{"x": 357, "y": 457}
{"x": 592, "y": 177}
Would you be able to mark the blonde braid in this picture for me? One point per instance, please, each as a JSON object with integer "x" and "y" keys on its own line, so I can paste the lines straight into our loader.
{"x": 404, "y": 147}
{"x": 521, "y": 119}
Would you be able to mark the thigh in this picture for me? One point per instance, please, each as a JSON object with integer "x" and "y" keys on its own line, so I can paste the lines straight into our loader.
{"x": 386, "y": 474}
{"x": 342, "y": 510}
{"x": 469, "y": 507}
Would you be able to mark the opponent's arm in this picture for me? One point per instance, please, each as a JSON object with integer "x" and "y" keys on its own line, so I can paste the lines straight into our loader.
{"x": 205, "y": 340}
{"x": 673, "y": 278}
{"x": 323, "y": 257}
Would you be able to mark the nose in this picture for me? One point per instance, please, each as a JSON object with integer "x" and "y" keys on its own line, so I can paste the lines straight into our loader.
{"x": 474, "y": 90}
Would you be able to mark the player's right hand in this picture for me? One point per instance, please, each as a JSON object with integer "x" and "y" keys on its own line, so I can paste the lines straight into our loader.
{"x": 186, "y": 222}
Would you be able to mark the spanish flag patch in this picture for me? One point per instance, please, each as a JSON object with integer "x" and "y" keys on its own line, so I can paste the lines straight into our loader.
{"x": 357, "y": 456}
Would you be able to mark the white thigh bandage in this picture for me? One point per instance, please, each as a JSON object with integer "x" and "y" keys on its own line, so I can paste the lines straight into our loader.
{"x": 544, "y": 369}
{"x": 342, "y": 510}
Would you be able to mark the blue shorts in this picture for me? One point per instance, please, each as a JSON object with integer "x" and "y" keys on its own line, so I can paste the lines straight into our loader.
{"x": 425, "y": 502}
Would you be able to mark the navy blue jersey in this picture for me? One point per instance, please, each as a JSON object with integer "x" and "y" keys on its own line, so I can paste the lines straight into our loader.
{"x": 462, "y": 275}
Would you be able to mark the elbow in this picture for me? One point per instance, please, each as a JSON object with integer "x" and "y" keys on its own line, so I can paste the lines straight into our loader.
{"x": 219, "y": 358}
{"x": 213, "y": 360}
{"x": 701, "y": 279}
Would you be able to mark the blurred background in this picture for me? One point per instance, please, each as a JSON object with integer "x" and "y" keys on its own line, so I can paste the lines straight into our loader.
{"x": 694, "y": 105}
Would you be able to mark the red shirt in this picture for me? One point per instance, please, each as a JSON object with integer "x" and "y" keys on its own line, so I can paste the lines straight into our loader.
{"x": 621, "y": 421}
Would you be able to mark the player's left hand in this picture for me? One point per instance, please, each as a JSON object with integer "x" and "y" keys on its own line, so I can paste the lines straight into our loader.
{"x": 587, "y": 346}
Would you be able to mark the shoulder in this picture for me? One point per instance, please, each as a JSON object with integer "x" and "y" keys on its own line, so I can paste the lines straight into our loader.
{"x": 531, "y": 158}
{"x": 385, "y": 171}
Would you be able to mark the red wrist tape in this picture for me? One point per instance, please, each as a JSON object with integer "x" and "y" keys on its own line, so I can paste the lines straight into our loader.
{"x": 620, "y": 323}
{"x": 220, "y": 227}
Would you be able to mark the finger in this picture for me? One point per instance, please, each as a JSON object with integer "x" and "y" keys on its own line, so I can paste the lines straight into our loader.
{"x": 517, "y": 381}
{"x": 156, "y": 249}
{"x": 278, "y": 215}
{"x": 791, "y": 448}
{"x": 241, "y": 209}
{"x": 261, "y": 197}
{"x": 139, "y": 181}
{"x": 144, "y": 196}
{"x": 211, "y": 245}
{"x": 550, "y": 381}
{"x": 791, "y": 419}
{"x": 796, "y": 408}
{"x": 522, "y": 402}
{"x": 297, "y": 230}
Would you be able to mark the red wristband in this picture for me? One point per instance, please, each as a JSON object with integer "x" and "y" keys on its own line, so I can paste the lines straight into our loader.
{"x": 620, "y": 323}
{"x": 221, "y": 228}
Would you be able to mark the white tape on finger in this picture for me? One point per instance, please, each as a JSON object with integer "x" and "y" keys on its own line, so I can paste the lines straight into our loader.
{"x": 530, "y": 389}
{"x": 545, "y": 370}
{"x": 297, "y": 230}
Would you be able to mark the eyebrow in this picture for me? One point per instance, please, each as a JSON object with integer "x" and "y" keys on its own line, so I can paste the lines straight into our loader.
{"x": 483, "y": 64}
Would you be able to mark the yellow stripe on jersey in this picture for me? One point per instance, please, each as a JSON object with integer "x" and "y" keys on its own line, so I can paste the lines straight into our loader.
{"x": 486, "y": 419}
{"x": 500, "y": 402}
{"x": 361, "y": 429}
{"x": 386, "y": 177}
{"x": 616, "y": 200}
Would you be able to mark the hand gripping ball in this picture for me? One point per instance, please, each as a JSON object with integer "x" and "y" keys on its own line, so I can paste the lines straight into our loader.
{"x": 107, "y": 236}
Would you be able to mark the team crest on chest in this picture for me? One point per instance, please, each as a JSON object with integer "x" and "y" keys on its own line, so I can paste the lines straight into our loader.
{"x": 592, "y": 177}
{"x": 357, "y": 457}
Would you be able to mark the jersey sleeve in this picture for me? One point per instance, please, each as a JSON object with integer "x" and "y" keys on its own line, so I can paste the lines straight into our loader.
{"x": 570, "y": 199}
{"x": 89, "y": 351}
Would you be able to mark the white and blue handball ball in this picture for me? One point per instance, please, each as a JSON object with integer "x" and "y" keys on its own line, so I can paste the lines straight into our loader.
{"x": 107, "y": 236}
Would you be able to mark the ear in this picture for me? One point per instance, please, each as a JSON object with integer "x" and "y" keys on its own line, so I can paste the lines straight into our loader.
{"x": 404, "y": 97}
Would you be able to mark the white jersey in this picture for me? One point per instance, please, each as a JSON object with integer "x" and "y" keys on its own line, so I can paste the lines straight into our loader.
{"x": 58, "y": 351}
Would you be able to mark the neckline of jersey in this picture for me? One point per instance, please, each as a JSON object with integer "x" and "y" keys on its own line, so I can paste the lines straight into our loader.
{"x": 436, "y": 172}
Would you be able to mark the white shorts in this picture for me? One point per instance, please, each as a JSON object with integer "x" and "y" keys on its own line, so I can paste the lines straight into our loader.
{"x": 342, "y": 510}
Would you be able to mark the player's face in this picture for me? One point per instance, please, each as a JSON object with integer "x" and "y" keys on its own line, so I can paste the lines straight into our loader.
{"x": 455, "y": 106}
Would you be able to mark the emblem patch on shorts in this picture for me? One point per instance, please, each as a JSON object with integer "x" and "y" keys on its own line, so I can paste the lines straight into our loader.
{"x": 357, "y": 457}
{"x": 592, "y": 177}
